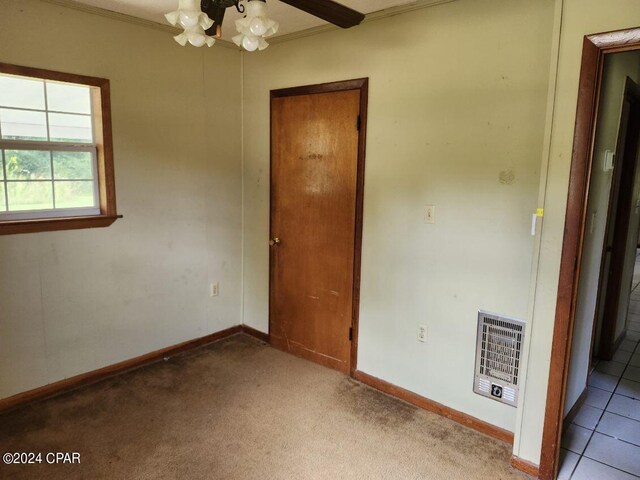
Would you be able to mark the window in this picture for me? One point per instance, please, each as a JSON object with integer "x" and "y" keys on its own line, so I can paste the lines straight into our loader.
{"x": 56, "y": 164}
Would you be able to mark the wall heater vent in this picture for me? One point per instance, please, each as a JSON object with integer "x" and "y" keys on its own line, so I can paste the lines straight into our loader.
{"x": 498, "y": 355}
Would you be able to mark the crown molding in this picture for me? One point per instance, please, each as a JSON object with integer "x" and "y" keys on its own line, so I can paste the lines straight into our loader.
{"x": 408, "y": 7}
{"x": 370, "y": 17}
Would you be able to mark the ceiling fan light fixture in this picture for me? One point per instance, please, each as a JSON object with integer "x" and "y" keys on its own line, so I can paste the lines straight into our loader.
{"x": 258, "y": 26}
{"x": 194, "y": 21}
{"x": 255, "y": 27}
{"x": 195, "y": 36}
{"x": 250, "y": 43}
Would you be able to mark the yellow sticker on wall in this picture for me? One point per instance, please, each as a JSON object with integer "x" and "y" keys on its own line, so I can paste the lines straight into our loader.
{"x": 540, "y": 212}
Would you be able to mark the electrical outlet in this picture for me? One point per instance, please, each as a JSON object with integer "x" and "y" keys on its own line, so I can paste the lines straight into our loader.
{"x": 422, "y": 333}
{"x": 430, "y": 214}
{"x": 215, "y": 289}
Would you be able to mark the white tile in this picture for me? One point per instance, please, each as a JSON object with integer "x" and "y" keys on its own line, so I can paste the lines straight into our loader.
{"x": 619, "y": 427}
{"x": 634, "y": 307}
{"x": 589, "y": 469}
{"x": 588, "y": 417}
{"x": 603, "y": 381}
{"x": 635, "y": 360}
{"x": 597, "y": 398}
{"x": 568, "y": 461}
{"x": 611, "y": 368}
{"x": 627, "y": 407}
{"x": 632, "y": 373}
{"x": 629, "y": 388}
{"x": 622, "y": 356}
{"x": 615, "y": 453}
{"x": 633, "y": 336}
{"x": 575, "y": 438}
{"x": 627, "y": 345}
{"x": 634, "y": 326}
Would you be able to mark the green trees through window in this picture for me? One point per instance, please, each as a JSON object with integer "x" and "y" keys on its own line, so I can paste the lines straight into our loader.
{"x": 41, "y": 179}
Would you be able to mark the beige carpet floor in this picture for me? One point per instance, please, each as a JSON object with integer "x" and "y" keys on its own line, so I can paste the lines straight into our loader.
{"x": 239, "y": 409}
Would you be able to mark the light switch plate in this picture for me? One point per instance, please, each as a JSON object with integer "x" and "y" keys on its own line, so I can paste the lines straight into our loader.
{"x": 609, "y": 160}
{"x": 422, "y": 333}
{"x": 430, "y": 214}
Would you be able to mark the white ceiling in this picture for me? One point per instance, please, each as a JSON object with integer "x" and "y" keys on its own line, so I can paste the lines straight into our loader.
{"x": 290, "y": 19}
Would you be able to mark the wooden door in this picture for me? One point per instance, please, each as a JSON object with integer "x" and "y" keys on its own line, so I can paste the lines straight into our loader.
{"x": 314, "y": 223}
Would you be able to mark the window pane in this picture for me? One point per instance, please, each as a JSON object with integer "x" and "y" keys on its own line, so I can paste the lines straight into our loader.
{"x": 29, "y": 196}
{"x": 62, "y": 97}
{"x": 23, "y": 125}
{"x": 28, "y": 164}
{"x": 3, "y": 206}
{"x": 75, "y": 194}
{"x": 73, "y": 165}
{"x": 1, "y": 169}
{"x": 21, "y": 92}
{"x": 70, "y": 128}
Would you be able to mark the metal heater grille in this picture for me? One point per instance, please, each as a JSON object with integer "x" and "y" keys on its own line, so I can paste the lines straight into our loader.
{"x": 498, "y": 351}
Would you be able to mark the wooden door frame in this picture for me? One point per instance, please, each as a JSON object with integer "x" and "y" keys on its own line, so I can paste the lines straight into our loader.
{"x": 595, "y": 48}
{"x": 362, "y": 85}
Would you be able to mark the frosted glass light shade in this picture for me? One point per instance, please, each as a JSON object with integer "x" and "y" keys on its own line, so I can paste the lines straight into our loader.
{"x": 189, "y": 18}
{"x": 196, "y": 36}
{"x": 258, "y": 26}
{"x": 250, "y": 43}
{"x": 194, "y": 21}
{"x": 255, "y": 27}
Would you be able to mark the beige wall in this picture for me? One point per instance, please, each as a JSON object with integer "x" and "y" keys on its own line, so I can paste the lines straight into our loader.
{"x": 457, "y": 96}
{"x": 576, "y": 19}
{"x": 617, "y": 68}
{"x": 79, "y": 300}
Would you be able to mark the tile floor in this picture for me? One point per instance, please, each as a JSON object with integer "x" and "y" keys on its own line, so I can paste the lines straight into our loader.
{"x": 603, "y": 441}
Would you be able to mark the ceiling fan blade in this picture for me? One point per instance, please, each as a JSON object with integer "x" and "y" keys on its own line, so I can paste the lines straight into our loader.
{"x": 330, "y": 11}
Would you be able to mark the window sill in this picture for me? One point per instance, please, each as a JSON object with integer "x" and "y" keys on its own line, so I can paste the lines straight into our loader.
{"x": 53, "y": 224}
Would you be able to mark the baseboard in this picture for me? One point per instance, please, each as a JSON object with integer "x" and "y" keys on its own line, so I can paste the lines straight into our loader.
{"x": 619, "y": 340}
{"x": 91, "y": 377}
{"x": 255, "y": 333}
{"x": 435, "y": 407}
{"x": 414, "y": 399}
{"x": 574, "y": 410}
{"x": 525, "y": 466}
{"x": 137, "y": 362}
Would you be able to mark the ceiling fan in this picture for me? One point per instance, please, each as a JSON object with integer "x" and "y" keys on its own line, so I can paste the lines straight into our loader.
{"x": 202, "y": 19}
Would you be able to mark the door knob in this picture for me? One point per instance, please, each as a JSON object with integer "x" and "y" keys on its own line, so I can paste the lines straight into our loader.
{"x": 274, "y": 241}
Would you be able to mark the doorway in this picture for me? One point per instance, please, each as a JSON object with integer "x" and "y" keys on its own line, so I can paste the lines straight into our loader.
{"x": 601, "y": 431}
{"x": 621, "y": 238}
{"x": 597, "y": 50}
{"x": 317, "y": 178}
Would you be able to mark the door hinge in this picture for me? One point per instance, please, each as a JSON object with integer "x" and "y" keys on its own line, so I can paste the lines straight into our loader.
{"x": 359, "y": 122}
{"x": 350, "y": 334}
